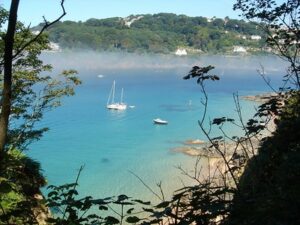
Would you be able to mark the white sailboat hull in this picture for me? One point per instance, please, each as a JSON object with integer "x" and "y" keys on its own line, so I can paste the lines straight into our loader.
{"x": 117, "y": 106}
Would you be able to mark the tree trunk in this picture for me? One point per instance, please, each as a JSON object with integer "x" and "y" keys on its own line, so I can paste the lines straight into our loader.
{"x": 7, "y": 81}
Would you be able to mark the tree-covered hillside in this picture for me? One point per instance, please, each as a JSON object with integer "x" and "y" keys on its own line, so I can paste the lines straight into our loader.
{"x": 158, "y": 33}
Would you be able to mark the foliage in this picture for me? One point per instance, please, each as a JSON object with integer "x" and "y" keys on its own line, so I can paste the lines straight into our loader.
{"x": 69, "y": 208}
{"x": 158, "y": 33}
{"x": 20, "y": 182}
{"x": 270, "y": 184}
{"x": 33, "y": 92}
{"x": 199, "y": 204}
{"x": 264, "y": 180}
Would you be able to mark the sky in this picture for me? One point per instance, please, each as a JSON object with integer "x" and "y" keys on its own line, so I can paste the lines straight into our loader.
{"x": 32, "y": 11}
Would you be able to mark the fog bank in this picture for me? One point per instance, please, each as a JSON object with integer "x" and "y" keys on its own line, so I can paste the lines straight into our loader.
{"x": 96, "y": 61}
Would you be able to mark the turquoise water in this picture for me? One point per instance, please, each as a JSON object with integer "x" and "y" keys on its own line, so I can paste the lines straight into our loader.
{"x": 110, "y": 144}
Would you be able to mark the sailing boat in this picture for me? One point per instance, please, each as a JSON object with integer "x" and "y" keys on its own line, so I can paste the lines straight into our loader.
{"x": 111, "y": 104}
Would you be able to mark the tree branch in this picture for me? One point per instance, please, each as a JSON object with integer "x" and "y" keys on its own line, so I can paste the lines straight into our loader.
{"x": 47, "y": 24}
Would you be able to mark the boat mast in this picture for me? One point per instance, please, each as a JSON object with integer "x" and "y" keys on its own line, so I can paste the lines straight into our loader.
{"x": 122, "y": 96}
{"x": 113, "y": 92}
{"x": 111, "y": 97}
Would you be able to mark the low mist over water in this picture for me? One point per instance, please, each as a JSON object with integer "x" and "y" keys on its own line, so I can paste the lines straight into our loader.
{"x": 88, "y": 60}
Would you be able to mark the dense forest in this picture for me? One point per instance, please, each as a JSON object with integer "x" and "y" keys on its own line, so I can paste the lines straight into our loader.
{"x": 158, "y": 33}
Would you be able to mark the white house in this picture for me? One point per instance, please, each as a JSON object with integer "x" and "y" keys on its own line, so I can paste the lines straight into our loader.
{"x": 181, "y": 51}
{"x": 54, "y": 47}
{"x": 255, "y": 37}
{"x": 239, "y": 49}
{"x": 209, "y": 20}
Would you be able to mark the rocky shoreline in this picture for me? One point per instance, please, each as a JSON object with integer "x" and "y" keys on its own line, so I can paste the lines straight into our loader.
{"x": 205, "y": 150}
{"x": 261, "y": 98}
{"x": 202, "y": 148}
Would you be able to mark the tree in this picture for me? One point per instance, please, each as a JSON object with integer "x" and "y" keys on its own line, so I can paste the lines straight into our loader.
{"x": 16, "y": 52}
{"x": 7, "y": 84}
{"x": 165, "y": 32}
{"x": 26, "y": 93}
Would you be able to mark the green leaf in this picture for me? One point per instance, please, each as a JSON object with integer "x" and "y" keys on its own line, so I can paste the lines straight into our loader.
{"x": 148, "y": 210}
{"x": 163, "y": 204}
{"x": 142, "y": 202}
{"x": 122, "y": 198}
{"x": 100, "y": 201}
{"x": 102, "y": 207}
{"x": 132, "y": 219}
{"x": 129, "y": 211}
{"x": 73, "y": 192}
{"x": 5, "y": 187}
{"x": 111, "y": 220}
{"x": 219, "y": 121}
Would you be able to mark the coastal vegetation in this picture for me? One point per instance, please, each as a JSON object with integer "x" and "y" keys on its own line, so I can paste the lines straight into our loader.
{"x": 27, "y": 92}
{"x": 250, "y": 185}
{"x": 159, "y": 33}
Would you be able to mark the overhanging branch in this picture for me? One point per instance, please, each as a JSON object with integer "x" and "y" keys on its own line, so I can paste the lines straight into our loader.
{"x": 47, "y": 24}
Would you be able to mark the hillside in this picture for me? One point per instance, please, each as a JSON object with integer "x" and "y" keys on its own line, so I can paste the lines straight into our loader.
{"x": 159, "y": 33}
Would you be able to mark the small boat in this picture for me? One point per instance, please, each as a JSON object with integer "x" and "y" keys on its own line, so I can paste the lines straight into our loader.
{"x": 100, "y": 76}
{"x": 132, "y": 106}
{"x": 111, "y": 104}
{"x": 160, "y": 121}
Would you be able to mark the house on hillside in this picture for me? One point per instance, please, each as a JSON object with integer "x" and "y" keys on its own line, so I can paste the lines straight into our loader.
{"x": 54, "y": 47}
{"x": 239, "y": 49}
{"x": 180, "y": 52}
{"x": 255, "y": 37}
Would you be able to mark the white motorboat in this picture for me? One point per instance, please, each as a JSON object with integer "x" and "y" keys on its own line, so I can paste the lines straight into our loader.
{"x": 160, "y": 121}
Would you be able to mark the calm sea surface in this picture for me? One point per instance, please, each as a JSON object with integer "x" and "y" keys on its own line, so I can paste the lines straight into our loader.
{"x": 110, "y": 144}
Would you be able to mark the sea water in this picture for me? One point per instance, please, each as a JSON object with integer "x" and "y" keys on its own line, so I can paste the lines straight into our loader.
{"x": 112, "y": 144}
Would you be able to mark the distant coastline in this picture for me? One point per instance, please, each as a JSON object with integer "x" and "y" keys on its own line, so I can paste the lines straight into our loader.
{"x": 164, "y": 33}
